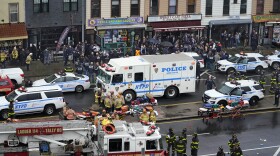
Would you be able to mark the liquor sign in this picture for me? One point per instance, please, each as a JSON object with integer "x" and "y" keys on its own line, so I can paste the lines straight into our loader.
{"x": 38, "y": 131}
{"x": 187, "y": 17}
{"x": 115, "y": 21}
{"x": 266, "y": 18}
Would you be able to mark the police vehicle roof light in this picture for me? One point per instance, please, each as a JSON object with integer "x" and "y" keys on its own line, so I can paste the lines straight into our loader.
{"x": 22, "y": 89}
{"x": 61, "y": 73}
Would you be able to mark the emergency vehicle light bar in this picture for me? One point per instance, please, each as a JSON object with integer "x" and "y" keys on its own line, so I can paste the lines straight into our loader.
{"x": 22, "y": 89}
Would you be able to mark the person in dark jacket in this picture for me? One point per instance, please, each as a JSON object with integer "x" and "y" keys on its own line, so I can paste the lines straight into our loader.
{"x": 210, "y": 83}
{"x": 221, "y": 152}
{"x": 197, "y": 70}
{"x": 276, "y": 97}
{"x": 194, "y": 145}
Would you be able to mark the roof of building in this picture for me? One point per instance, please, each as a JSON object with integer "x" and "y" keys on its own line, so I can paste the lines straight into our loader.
{"x": 13, "y": 31}
{"x": 166, "y": 58}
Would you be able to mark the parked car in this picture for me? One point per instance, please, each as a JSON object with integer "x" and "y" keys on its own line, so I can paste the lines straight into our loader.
{"x": 6, "y": 85}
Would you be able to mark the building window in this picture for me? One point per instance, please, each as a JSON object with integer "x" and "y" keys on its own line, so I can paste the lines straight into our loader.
{"x": 13, "y": 12}
{"x": 95, "y": 8}
{"x": 208, "y": 8}
{"x": 115, "y": 8}
{"x": 243, "y": 7}
{"x": 234, "y": 1}
{"x": 135, "y": 8}
{"x": 276, "y": 6}
{"x": 260, "y": 7}
{"x": 40, "y": 6}
{"x": 153, "y": 7}
{"x": 70, "y": 5}
{"x": 172, "y": 7}
{"x": 191, "y": 6}
{"x": 226, "y": 8}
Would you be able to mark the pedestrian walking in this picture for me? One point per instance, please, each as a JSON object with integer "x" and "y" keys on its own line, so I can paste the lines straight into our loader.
{"x": 276, "y": 97}
{"x": 28, "y": 61}
{"x": 170, "y": 140}
{"x": 210, "y": 84}
{"x": 194, "y": 145}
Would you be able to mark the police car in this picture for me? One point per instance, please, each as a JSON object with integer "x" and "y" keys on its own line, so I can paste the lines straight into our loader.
{"x": 196, "y": 57}
{"x": 67, "y": 81}
{"x": 246, "y": 89}
{"x": 32, "y": 100}
{"x": 243, "y": 63}
{"x": 274, "y": 60}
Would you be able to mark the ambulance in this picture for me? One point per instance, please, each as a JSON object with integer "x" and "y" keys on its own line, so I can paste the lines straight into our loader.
{"x": 160, "y": 75}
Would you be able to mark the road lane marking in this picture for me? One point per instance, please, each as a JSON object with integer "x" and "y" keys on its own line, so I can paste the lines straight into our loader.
{"x": 211, "y": 75}
{"x": 277, "y": 152}
{"x": 203, "y": 72}
{"x": 252, "y": 149}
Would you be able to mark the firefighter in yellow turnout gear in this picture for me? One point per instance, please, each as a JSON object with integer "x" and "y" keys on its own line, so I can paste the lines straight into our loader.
{"x": 144, "y": 117}
{"x": 194, "y": 145}
{"x": 108, "y": 104}
{"x": 180, "y": 147}
{"x": 170, "y": 140}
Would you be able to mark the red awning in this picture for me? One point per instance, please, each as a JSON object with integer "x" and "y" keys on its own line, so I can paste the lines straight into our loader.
{"x": 13, "y": 31}
{"x": 176, "y": 26}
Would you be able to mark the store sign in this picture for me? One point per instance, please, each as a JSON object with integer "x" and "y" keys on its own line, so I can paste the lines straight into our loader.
{"x": 12, "y": 149}
{"x": 187, "y": 17}
{"x": 115, "y": 21}
{"x": 266, "y": 18}
{"x": 38, "y": 131}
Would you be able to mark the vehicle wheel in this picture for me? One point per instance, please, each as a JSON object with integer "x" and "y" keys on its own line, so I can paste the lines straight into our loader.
{"x": 253, "y": 101}
{"x": 79, "y": 89}
{"x": 171, "y": 92}
{"x": 230, "y": 70}
{"x": 5, "y": 114}
{"x": 49, "y": 109}
{"x": 259, "y": 69}
{"x": 129, "y": 96}
{"x": 15, "y": 83}
{"x": 224, "y": 103}
{"x": 275, "y": 65}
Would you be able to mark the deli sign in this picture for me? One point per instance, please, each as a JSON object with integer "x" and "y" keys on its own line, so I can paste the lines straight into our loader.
{"x": 38, "y": 131}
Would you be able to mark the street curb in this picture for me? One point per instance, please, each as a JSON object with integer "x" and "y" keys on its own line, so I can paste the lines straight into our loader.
{"x": 224, "y": 113}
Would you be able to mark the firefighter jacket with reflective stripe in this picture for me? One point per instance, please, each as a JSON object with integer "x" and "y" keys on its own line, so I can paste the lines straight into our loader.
{"x": 170, "y": 139}
{"x": 194, "y": 144}
{"x": 108, "y": 103}
{"x": 144, "y": 117}
{"x": 3, "y": 56}
{"x": 233, "y": 142}
{"x": 180, "y": 147}
{"x": 28, "y": 59}
{"x": 118, "y": 103}
{"x": 14, "y": 54}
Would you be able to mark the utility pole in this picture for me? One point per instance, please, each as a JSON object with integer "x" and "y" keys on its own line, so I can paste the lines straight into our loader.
{"x": 83, "y": 26}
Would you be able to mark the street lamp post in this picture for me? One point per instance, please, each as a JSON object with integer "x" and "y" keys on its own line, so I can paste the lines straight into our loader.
{"x": 83, "y": 26}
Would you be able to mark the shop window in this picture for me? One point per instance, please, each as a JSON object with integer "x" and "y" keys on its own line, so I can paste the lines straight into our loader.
{"x": 138, "y": 77}
{"x": 172, "y": 7}
{"x": 151, "y": 145}
{"x": 40, "y": 6}
{"x": 95, "y": 8}
{"x": 135, "y": 8}
{"x": 243, "y": 7}
{"x": 115, "y": 12}
{"x": 226, "y": 8}
{"x": 117, "y": 78}
{"x": 276, "y": 6}
{"x": 70, "y": 5}
{"x": 191, "y": 6}
{"x": 13, "y": 11}
{"x": 115, "y": 145}
{"x": 208, "y": 10}
{"x": 154, "y": 7}
{"x": 260, "y": 7}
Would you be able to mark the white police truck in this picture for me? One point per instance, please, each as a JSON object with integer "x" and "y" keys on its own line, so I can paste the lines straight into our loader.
{"x": 243, "y": 63}
{"x": 159, "y": 75}
{"x": 33, "y": 100}
{"x": 246, "y": 89}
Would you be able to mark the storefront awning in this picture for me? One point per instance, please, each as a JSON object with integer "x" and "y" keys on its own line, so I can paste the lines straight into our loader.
{"x": 230, "y": 21}
{"x": 13, "y": 31}
{"x": 121, "y": 27}
{"x": 176, "y": 26}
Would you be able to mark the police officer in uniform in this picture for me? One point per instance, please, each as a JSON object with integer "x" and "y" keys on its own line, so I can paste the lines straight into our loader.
{"x": 194, "y": 145}
{"x": 180, "y": 147}
{"x": 197, "y": 70}
{"x": 79, "y": 69}
{"x": 170, "y": 140}
{"x": 210, "y": 83}
{"x": 96, "y": 68}
{"x": 91, "y": 72}
{"x": 86, "y": 67}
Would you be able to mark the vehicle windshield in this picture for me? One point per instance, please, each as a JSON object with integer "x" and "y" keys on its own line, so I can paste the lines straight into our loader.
{"x": 106, "y": 78}
{"x": 224, "y": 89}
{"x": 11, "y": 96}
{"x": 197, "y": 58}
{"x": 50, "y": 78}
{"x": 233, "y": 59}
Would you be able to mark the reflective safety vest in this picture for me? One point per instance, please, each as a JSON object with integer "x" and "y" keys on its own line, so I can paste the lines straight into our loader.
{"x": 194, "y": 144}
{"x": 28, "y": 59}
{"x": 137, "y": 53}
{"x": 180, "y": 147}
{"x": 14, "y": 54}
{"x": 108, "y": 103}
{"x": 118, "y": 103}
{"x": 144, "y": 117}
{"x": 3, "y": 56}
{"x": 96, "y": 97}
{"x": 68, "y": 69}
{"x": 153, "y": 117}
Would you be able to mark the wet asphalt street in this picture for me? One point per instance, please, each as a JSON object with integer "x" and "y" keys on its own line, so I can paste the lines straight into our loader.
{"x": 84, "y": 100}
{"x": 258, "y": 133}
